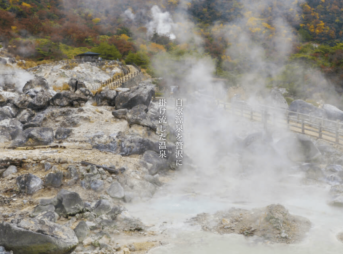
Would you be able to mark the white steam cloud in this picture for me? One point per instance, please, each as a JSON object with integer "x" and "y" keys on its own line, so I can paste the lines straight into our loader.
{"x": 129, "y": 14}
{"x": 161, "y": 23}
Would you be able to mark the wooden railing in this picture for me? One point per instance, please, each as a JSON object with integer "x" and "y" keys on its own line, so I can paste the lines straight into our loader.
{"x": 307, "y": 124}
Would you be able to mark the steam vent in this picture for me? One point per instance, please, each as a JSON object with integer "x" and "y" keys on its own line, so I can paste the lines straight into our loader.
{"x": 198, "y": 127}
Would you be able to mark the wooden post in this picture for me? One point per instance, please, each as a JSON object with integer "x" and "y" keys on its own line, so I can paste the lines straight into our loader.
{"x": 297, "y": 117}
{"x": 287, "y": 118}
{"x": 251, "y": 114}
{"x": 320, "y": 130}
{"x": 302, "y": 125}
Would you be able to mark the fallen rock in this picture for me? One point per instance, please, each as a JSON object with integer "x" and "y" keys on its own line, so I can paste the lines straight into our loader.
{"x": 39, "y": 209}
{"x": 62, "y": 133}
{"x": 116, "y": 190}
{"x": 101, "y": 207}
{"x": 40, "y": 101}
{"x": 31, "y": 236}
{"x": 54, "y": 179}
{"x": 6, "y": 113}
{"x": 26, "y": 115}
{"x": 34, "y": 137}
{"x": 11, "y": 128}
{"x": 273, "y": 223}
{"x": 298, "y": 148}
{"x": 135, "y": 144}
{"x": 49, "y": 216}
{"x": 303, "y": 107}
{"x": 333, "y": 113}
{"x": 9, "y": 171}
{"x": 141, "y": 116}
{"x": 141, "y": 94}
{"x": 81, "y": 231}
{"x": 97, "y": 185}
{"x": 157, "y": 163}
{"x": 120, "y": 113}
{"x": 29, "y": 184}
{"x": 37, "y": 82}
{"x": 68, "y": 203}
{"x": 105, "y": 98}
{"x": 68, "y": 99}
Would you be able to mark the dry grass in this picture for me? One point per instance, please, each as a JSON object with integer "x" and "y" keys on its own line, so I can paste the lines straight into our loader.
{"x": 64, "y": 87}
{"x": 94, "y": 104}
{"x": 70, "y": 66}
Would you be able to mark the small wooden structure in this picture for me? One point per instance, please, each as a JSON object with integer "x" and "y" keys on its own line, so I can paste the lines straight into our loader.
{"x": 88, "y": 56}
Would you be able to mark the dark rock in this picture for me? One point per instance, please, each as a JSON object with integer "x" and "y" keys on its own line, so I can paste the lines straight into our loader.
{"x": 141, "y": 94}
{"x": 81, "y": 231}
{"x": 102, "y": 207}
{"x": 116, "y": 190}
{"x": 134, "y": 144}
{"x": 34, "y": 137}
{"x": 104, "y": 143}
{"x": 157, "y": 163}
{"x": 68, "y": 203}
{"x": 75, "y": 85}
{"x": 303, "y": 107}
{"x": 26, "y": 115}
{"x": 298, "y": 148}
{"x": 37, "y": 82}
{"x": 68, "y": 99}
{"x": 11, "y": 127}
{"x": 47, "y": 166}
{"x": 62, "y": 133}
{"x": 54, "y": 179}
{"x": 141, "y": 116}
{"x": 49, "y": 216}
{"x": 120, "y": 113}
{"x": 97, "y": 185}
{"x": 40, "y": 101}
{"x": 72, "y": 173}
{"x": 9, "y": 171}
{"x": 6, "y": 113}
{"x": 41, "y": 209}
{"x": 29, "y": 184}
{"x": 32, "y": 236}
{"x": 115, "y": 211}
{"x": 106, "y": 98}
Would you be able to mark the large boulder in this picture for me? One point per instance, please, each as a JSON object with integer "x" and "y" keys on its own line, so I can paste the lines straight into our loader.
{"x": 37, "y": 82}
{"x": 81, "y": 230}
{"x": 62, "y": 133}
{"x": 298, "y": 148}
{"x": 141, "y": 94}
{"x": 54, "y": 179}
{"x": 29, "y": 184}
{"x": 6, "y": 112}
{"x": 302, "y": 107}
{"x": 106, "y": 98}
{"x": 11, "y": 127}
{"x": 75, "y": 85}
{"x": 135, "y": 144}
{"x": 333, "y": 113}
{"x": 120, "y": 113}
{"x": 25, "y": 116}
{"x": 68, "y": 99}
{"x": 116, "y": 190}
{"x": 40, "y": 100}
{"x": 68, "y": 203}
{"x": 33, "y": 236}
{"x": 3, "y": 100}
{"x": 273, "y": 223}
{"x": 34, "y": 137}
{"x": 144, "y": 116}
{"x": 101, "y": 207}
{"x": 157, "y": 164}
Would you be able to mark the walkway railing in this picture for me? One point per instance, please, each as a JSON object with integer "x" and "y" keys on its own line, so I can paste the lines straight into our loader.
{"x": 307, "y": 124}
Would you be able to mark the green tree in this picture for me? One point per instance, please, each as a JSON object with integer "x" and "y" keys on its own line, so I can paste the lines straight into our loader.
{"x": 107, "y": 51}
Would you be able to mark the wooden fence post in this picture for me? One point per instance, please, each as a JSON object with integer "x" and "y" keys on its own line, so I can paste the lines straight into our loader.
{"x": 320, "y": 130}
{"x": 251, "y": 114}
{"x": 302, "y": 125}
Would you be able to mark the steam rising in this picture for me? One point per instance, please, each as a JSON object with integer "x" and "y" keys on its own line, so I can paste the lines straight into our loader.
{"x": 161, "y": 23}
{"x": 10, "y": 76}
